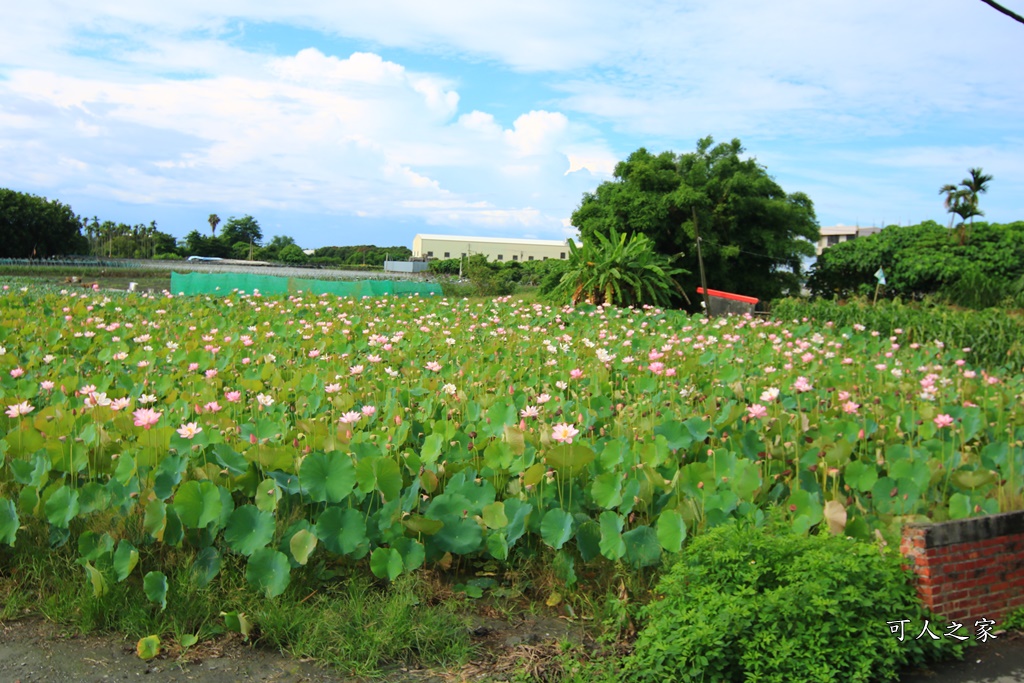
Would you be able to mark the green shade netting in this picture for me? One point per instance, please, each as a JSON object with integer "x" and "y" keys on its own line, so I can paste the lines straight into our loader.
{"x": 223, "y": 284}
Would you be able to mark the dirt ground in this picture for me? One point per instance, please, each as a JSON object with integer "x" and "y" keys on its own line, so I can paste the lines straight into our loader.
{"x": 35, "y": 651}
{"x": 997, "y": 661}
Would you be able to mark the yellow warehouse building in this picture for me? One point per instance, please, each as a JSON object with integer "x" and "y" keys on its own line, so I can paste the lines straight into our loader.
{"x": 494, "y": 248}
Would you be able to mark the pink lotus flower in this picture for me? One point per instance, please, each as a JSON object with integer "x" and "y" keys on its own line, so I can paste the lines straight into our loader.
{"x": 18, "y": 409}
{"x": 575, "y": 373}
{"x": 146, "y": 417}
{"x": 265, "y": 400}
{"x": 530, "y": 411}
{"x": 943, "y": 420}
{"x": 543, "y": 398}
{"x": 332, "y": 388}
{"x": 757, "y": 411}
{"x": 564, "y": 432}
{"x": 369, "y": 410}
{"x": 17, "y": 372}
{"x": 801, "y": 385}
{"x": 233, "y": 396}
{"x": 850, "y": 408}
{"x": 351, "y": 417}
{"x": 211, "y": 373}
{"x": 46, "y": 385}
{"x": 192, "y": 367}
{"x": 120, "y": 403}
{"x": 189, "y": 430}
{"x": 212, "y": 407}
{"x": 434, "y": 366}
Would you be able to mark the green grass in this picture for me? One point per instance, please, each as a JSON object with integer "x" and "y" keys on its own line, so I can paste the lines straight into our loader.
{"x": 107, "y": 278}
{"x": 336, "y": 615}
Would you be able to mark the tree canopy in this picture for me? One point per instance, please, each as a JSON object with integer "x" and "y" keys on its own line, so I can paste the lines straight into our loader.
{"x": 35, "y": 227}
{"x": 926, "y": 259}
{"x": 754, "y": 235}
{"x": 245, "y": 229}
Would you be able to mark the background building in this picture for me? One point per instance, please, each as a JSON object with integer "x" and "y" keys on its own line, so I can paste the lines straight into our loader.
{"x": 494, "y": 248}
{"x": 841, "y": 233}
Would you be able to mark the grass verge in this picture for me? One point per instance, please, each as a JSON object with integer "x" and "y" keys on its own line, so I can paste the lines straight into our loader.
{"x": 335, "y": 615}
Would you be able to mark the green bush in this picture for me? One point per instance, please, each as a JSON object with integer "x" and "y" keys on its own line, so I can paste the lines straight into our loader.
{"x": 754, "y": 604}
{"x": 1014, "y": 621}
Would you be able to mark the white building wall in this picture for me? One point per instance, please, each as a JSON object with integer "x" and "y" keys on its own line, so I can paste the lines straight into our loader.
{"x": 495, "y": 249}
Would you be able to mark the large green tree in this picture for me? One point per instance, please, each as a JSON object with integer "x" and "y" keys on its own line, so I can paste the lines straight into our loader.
{"x": 35, "y": 227}
{"x": 245, "y": 229}
{"x": 754, "y": 236}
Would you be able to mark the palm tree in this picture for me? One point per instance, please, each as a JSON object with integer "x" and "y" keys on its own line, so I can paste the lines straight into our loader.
{"x": 962, "y": 200}
{"x": 976, "y": 184}
{"x": 619, "y": 270}
{"x": 952, "y": 200}
{"x": 214, "y": 219}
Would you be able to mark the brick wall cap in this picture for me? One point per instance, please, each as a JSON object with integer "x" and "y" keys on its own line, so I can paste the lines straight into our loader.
{"x": 970, "y": 530}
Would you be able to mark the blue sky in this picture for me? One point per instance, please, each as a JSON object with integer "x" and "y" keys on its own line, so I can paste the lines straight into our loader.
{"x": 352, "y": 123}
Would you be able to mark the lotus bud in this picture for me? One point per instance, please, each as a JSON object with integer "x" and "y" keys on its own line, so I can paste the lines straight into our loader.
{"x": 252, "y": 438}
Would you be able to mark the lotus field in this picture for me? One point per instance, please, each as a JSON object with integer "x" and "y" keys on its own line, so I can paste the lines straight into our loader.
{"x": 403, "y": 432}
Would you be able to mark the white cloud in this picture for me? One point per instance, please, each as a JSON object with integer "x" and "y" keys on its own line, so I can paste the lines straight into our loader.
{"x": 185, "y": 103}
{"x": 536, "y": 132}
{"x": 357, "y": 134}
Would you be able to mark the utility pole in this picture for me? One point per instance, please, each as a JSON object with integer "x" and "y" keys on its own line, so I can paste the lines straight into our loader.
{"x": 700, "y": 263}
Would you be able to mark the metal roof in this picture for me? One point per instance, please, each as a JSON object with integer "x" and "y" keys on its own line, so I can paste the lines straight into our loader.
{"x": 462, "y": 239}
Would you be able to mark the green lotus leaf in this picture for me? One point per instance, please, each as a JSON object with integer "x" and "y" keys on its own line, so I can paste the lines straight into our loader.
{"x": 268, "y": 571}
{"x": 343, "y": 531}
{"x": 671, "y": 530}
{"x": 197, "y": 503}
{"x": 155, "y": 586}
{"x": 249, "y": 529}
{"x": 386, "y": 563}
{"x": 327, "y": 477}
{"x": 642, "y": 546}
{"x": 302, "y": 544}
{"x": 126, "y": 557}
{"x": 9, "y": 523}
{"x": 556, "y": 527}
{"x": 62, "y": 506}
{"x": 206, "y": 566}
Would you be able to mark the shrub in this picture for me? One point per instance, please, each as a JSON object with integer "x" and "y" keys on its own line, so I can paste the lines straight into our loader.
{"x": 756, "y": 604}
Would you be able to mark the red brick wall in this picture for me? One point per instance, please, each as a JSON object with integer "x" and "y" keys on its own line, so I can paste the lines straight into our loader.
{"x": 970, "y": 568}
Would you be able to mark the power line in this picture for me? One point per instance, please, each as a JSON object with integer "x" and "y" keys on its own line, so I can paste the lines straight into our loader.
{"x": 999, "y": 8}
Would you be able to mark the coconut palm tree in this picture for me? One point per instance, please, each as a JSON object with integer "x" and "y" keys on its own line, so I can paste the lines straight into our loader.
{"x": 214, "y": 219}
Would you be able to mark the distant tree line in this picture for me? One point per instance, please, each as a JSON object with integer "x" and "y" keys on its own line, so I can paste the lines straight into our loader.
{"x": 36, "y": 227}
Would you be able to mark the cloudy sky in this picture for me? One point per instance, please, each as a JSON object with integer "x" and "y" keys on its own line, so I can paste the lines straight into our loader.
{"x": 351, "y": 123}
